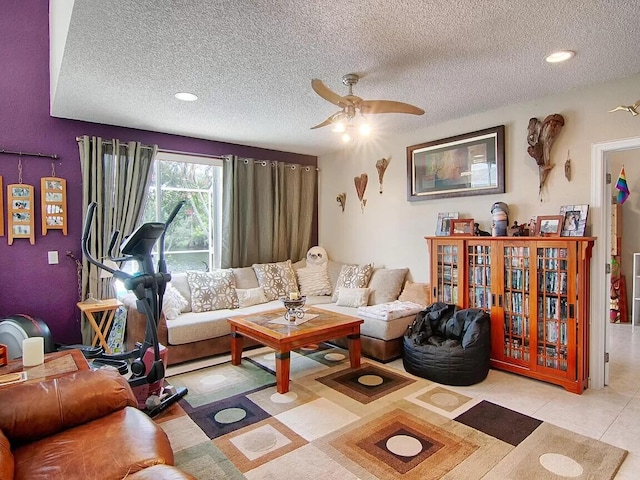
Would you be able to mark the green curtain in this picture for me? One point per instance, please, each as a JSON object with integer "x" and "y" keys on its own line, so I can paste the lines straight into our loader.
{"x": 116, "y": 176}
{"x": 267, "y": 211}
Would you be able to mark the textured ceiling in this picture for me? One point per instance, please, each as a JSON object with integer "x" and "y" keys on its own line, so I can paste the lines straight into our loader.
{"x": 251, "y": 62}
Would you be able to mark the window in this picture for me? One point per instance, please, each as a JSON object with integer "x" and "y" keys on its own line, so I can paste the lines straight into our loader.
{"x": 193, "y": 241}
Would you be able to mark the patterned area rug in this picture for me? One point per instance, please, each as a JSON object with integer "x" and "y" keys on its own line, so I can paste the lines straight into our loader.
{"x": 370, "y": 423}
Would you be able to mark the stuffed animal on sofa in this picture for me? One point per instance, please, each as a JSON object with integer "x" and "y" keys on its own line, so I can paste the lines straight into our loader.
{"x": 316, "y": 257}
{"x": 314, "y": 278}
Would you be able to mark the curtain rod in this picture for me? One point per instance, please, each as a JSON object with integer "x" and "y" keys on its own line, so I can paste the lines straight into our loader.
{"x": 26, "y": 154}
{"x": 122, "y": 144}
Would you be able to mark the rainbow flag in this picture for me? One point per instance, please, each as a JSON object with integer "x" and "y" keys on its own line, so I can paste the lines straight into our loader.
{"x": 621, "y": 185}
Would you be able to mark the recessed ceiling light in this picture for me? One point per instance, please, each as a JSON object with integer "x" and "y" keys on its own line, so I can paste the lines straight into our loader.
{"x": 560, "y": 56}
{"x": 186, "y": 97}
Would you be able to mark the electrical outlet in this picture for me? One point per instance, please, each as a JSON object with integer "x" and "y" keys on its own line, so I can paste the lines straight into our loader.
{"x": 53, "y": 257}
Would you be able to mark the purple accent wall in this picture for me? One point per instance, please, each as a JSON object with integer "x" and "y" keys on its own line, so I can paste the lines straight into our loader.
{"x": 27, "y": 283}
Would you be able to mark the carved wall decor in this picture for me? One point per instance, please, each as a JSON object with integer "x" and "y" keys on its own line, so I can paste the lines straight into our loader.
{"x": 540, "y": 136}
{"x": 342, "y": 200}
{"x": 567, "y": 167}
{"x": 361, "y": 187}
{"x": 381, "y": 166}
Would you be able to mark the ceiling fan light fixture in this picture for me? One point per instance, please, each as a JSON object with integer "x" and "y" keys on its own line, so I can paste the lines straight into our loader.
{"x": 346, "y": 138}
{"x": 339, "y": 127}
{"x": 365, "y": 129}
{"x": 186, "y": 96}
{"x": 560, "y": 56}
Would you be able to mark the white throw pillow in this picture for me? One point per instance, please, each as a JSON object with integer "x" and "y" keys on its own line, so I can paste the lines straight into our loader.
{"x": 353, "y": 297}
{"x": 314, "y": 280}
{"x": 213, "y": 290}
{"x": 276, "y": 279}
{"x": 250, "y": 296}
{"x": 353, "y": 276}
{"x": 172, "y": 303}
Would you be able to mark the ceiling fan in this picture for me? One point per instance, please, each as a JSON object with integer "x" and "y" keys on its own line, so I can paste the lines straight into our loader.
{"x": 352, "y": 104}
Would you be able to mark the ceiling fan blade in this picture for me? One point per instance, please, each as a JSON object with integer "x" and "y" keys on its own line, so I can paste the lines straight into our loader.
{"x": 388, "y": 106}
{"x": 328, "y": 121}
{"x": 328, "y": 94}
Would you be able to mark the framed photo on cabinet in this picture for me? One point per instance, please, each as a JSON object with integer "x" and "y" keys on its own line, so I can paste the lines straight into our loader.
{"x": 549, "y": 225}
{"x": 443, "y": 228}
{"x": 461, "y": 226}
{"x": 574, "y": 220}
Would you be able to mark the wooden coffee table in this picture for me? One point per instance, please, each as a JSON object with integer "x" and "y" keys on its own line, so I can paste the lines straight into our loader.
{"x": 284, "y": 338}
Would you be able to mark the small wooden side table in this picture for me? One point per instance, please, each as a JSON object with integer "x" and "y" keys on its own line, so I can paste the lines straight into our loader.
{"x": 55, "y": 365}
{"x": 108, "y": 309}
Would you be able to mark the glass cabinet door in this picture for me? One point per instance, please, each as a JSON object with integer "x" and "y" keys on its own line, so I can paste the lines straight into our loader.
{"x": 515, "y": 304}
{"x": 479, "y": 275}
{"x": 447, "y": 256}
{"x": 555, "y": 310}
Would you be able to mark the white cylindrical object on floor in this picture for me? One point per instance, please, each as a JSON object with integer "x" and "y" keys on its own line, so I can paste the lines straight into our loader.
{"x": 32, "y": 351}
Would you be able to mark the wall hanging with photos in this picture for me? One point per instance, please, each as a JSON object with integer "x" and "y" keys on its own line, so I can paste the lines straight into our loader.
{"x": 21, "y": 207}
{"x": 20, "y": 221}
{"x": 53, "y": 200}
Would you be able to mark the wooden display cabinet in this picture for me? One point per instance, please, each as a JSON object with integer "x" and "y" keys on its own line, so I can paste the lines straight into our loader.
{"x": 20, "y": 209}
{"x": 53, "y": 200}
{"x": 537, "y": 293}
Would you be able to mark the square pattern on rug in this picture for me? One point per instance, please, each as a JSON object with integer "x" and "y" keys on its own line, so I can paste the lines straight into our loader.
{"x": 499, "y": 422}
{"x": 258, "y": 444}
{"x": 442, "y": 398}
{"x": 220, "y": 418}
{"x": 365, "y": 384}
{"x": 397, "y": 444}
{"x": 222, "y": 381}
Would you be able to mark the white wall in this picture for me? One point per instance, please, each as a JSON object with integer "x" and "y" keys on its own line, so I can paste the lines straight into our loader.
{"x": 391, "y": 230}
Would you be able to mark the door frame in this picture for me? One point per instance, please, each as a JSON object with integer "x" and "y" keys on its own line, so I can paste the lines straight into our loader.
{"x": 601, "y": 206}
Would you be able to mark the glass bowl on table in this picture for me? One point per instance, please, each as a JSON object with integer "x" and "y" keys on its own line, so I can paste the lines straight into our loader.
{"x": 294, "y": 307}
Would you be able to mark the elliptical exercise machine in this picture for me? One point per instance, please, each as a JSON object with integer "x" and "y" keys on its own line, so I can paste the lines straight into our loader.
{"x": 149, "y": 357}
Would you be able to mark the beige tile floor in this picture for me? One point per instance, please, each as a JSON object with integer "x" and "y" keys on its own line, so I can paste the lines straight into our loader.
{"x": 611, "y": 414}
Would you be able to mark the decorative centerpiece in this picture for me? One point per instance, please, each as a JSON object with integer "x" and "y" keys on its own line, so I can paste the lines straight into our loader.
{"x": 294, "y": 305}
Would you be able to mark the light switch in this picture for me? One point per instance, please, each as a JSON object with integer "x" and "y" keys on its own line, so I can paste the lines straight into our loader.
{"x": 53, "y": 257}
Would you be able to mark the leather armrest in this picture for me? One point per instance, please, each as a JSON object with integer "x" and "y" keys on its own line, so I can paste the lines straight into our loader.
{"x": 31, "y": 411}
{"x": 7, "y": 463}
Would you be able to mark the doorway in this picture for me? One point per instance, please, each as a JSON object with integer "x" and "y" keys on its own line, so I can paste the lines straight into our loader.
{"x": 600, "y": 279}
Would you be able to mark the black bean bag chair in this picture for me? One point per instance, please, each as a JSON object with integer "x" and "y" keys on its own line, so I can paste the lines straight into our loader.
{"x": 448, "y": 345}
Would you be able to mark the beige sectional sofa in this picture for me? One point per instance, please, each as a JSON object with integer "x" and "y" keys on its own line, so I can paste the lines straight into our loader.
{"x": 190, "y": 334}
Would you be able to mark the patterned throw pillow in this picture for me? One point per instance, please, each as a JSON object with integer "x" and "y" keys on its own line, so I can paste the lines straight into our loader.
{"x": 353, "y": 276}
{"x": 212, "y": 290}
{"x": 276, "y": 279}
{"x": 353, "y": 297}
{"x": 314, "y": 280}
{"x": 172, "y": 303}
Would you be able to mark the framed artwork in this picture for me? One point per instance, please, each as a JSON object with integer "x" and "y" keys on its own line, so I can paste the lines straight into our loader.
{"x": 462, "y": 226}
{"x": 574, "y": 220}
{"x": 549, "y": 225}
{"x": 444, "y": 223}
{"x": 469, "y": 164}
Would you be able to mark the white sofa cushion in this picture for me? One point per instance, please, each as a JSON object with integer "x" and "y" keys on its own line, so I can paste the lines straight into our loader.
{"x": 245, "y": 277}
{"x": 181, "y": 283}
{"x": 372, "y": 327}
{"x": 213, "y": 290}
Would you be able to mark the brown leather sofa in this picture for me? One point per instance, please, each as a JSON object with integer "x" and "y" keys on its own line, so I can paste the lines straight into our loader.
{"x": 80, "y": 426}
